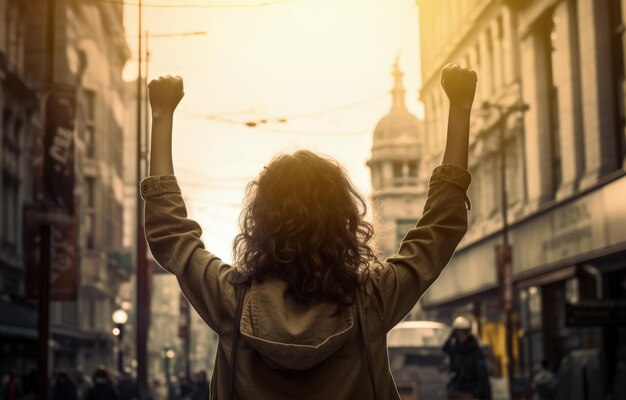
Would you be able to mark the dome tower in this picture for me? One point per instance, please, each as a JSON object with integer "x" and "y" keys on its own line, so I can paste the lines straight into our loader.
{"x": 397, "y": 194}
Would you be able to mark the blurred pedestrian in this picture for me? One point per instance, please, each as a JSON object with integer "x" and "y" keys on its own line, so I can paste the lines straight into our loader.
{"x": 63, "y": 388}
{"x": 83, "y": 383}
{"x": 469, "y": 378}
{"x": 201, "y": 391}
{"x": 127, "y": 387}
{"x": 10, "y": 387}
{"x": 306, "y": 293}
{"x": 185, "y": 389}
{"x": 544, "y": 382}
{"x": 159, "y": 391}
{"x": 102, "y": 387}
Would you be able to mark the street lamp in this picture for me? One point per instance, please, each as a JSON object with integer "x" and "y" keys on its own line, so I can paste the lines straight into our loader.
{"x": 504, "y": 250}
{"x": 120, "y": 317}
{"x": 168, "y": 355}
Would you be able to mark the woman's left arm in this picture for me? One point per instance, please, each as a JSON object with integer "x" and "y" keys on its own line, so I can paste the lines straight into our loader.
{"x": 173, "y": 238}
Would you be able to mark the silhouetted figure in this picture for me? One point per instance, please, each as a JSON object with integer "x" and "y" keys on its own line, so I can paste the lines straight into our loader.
{"x": 11, "y": 387}
{"x": 83, "y": 383}
{"x": 186, "y": 388}
{"x": 63, "y": 388}
{"x": 102, "y": 387}
{"x": 201, "y": 391}
{"x": 469, "y": 378}
{"x": 127, "y": 387}
{"x": 306, "y": 294}
{"x": 544, "y": 382}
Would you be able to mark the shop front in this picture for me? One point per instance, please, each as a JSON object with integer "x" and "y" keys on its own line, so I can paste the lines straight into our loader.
{"x": 565, "y": 259}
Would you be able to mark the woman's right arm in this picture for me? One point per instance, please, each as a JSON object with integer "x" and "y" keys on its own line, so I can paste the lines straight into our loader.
{"x": 427, "y": 248}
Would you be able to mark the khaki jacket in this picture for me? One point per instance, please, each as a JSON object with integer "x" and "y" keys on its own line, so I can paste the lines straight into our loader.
{"x": 286, "y": 351}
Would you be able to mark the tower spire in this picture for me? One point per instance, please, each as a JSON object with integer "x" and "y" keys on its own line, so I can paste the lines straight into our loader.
{"x": 398, "y": 92}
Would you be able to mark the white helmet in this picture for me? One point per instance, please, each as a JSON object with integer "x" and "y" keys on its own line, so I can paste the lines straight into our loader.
{"x": 461, "y": 323}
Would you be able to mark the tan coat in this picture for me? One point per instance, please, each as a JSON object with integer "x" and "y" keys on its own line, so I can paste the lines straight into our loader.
{"x": 291, "y": 352}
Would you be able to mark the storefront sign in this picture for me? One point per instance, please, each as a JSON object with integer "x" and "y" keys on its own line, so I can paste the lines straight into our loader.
{"x": 572, "y": 230}
{"x": 596, "y": 313}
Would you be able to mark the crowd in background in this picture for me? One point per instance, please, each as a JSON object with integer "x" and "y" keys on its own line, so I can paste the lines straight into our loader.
{"x": 104, "y": 385}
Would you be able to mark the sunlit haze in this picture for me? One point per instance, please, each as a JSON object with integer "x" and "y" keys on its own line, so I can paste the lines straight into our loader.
{"x": 323, "y": 65}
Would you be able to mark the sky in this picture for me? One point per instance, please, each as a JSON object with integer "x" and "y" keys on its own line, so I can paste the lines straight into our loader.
{"x": 324, "y": 66}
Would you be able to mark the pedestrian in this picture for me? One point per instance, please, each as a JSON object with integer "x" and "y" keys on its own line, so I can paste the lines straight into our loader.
{"x": 62, "y": 387}
{"x": 201, "y": 390}
{"x": 544, "y": 382}
{"x": 10, "y": 387}
{"x": 159, "y": 391}
{"x": 306, "y": 305}
{"x": 127, "y": 387}
{"x": 83, "y": 383}
{"x": 469, "y": 377}
{"x": 186, "y": 389}
{"x": 102, "y": 387}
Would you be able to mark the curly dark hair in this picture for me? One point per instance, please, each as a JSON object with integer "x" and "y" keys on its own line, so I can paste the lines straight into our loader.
{"x": 303, "y": 222}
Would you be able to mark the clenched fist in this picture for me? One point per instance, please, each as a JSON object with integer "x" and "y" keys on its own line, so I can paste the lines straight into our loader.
{"x": 459, "y": 84}
{"x": 165, "y": 93}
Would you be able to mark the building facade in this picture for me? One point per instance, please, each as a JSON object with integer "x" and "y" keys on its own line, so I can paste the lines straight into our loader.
{"x": 551, "y": 82}
{"x": 19, "y": 117}
{"x": 90, "y": 51}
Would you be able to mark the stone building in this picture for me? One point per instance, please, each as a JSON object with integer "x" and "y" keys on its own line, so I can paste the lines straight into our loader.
{"x": 90, "y": 52}
{"x": 19, "y": 117}
{"x": 564, "y": 171}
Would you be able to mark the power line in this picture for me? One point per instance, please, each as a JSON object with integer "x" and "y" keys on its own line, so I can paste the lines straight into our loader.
{"x": 164, "y": 5}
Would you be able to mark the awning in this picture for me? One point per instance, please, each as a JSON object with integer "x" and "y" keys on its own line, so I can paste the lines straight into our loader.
{"x": 17, "y": 319}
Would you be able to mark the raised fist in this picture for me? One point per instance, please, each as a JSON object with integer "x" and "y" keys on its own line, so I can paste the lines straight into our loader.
{"x": 459, "y": 84}
{"x": 165, "y": 93}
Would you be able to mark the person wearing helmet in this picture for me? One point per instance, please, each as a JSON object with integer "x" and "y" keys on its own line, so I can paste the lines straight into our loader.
{"x": 468, "y": 371}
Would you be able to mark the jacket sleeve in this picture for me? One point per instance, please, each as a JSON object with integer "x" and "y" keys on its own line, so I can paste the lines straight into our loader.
{"x": 175, "y": 243}
{"x": 427, "y": 248}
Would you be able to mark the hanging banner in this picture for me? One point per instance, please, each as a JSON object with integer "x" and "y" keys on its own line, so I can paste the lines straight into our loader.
{"x": 58, "y": 151}
{"x": 63, "y": 258}
{"x": 54, "y": 176}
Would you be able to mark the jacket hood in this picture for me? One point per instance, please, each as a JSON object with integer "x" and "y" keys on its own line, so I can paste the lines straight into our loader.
{"x": 288, "y": 335}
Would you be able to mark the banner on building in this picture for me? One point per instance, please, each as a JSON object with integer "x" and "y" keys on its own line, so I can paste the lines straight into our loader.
{"x": 53, "y": 147}
{"x": 63, "y": 257}
{"x": 54, "y": 176}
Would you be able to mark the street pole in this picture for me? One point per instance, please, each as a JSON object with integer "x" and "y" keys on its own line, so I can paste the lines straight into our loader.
{"x": 43, "y": 307}
{"x": 120, "y": 349}
{"x": 506, "y": 257}
{"x": 143, "y": 275}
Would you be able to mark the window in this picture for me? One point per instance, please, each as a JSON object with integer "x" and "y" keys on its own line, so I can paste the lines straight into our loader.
{"x": 404, "y": 173}
{"x": 412, "y": 169}
{"x": 90, "y": 124}
{"x": 90, "y": 212}
{"x": 531, "y": 321}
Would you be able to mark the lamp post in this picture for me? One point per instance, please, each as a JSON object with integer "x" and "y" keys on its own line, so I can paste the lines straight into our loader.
{"x": 168, "y": 355}
{"x": 120, "y": 317}
{"x": 504, "y": 251}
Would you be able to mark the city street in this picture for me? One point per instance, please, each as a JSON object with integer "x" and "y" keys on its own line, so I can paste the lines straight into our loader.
{"x": 174, "y": 242}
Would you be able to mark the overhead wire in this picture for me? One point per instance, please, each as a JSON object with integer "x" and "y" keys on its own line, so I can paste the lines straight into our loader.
{"x": 188, "y": 5}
